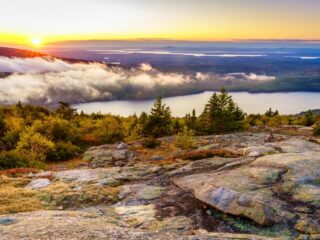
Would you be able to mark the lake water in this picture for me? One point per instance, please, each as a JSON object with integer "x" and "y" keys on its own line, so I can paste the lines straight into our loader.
{"x": 286, "y": 103}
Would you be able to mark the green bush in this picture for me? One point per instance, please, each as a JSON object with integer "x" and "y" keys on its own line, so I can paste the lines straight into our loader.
{"x": 12, "y": 159}
{"x": 63, "y": 151}
{"x": 316, "y": 130}
{"x": 151, "y": 143}
{"x": 10, "y": 139}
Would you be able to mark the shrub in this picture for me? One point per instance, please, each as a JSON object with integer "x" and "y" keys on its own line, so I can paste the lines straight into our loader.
{"x": 57, "y": 129}
{"x": 151, "y": 143}
{"x": 10, "y": 139}
{"x": 185, "y": 139}
{"x": 12, "y": 159}
{"x": 33, "y": 145}
{"x": 108, "y": 129}
{"x": 309, "y": 119}
{"x": 316, "y": 130}
{"x": 63, "y": 151}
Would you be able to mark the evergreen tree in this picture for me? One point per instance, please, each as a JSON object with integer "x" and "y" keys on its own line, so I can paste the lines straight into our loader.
{"x": 66, "y": 110}
{"x": 191, "y": 120}
{"x": 271, "y": 113}
{"x": 309, "y": 119}
{"x": 176, "y": 126}
{"x": 159, "y": 122}
{"x": 221, "y": 114}
{"x": 142, "y": 123}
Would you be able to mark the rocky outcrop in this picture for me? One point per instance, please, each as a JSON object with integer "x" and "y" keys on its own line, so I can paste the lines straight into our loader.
{"x": 68, "y": 225}
{"x": 262, "y": 189}
{"x": 108, "y": 155}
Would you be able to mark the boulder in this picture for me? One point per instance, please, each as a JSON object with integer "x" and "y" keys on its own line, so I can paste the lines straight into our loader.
{"x": 39, "y": 183}
{"x": 235, "y": 203}
{"x": 121, "y": 146}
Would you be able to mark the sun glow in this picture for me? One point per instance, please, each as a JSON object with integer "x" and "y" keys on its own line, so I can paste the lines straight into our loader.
{"x": 36, "y": 41}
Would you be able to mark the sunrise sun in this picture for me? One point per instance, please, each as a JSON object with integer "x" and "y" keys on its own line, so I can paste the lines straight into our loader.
{"x": 36, "y": 41}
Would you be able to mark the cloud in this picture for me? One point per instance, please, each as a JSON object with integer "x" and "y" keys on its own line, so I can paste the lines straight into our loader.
{"x": 48, "y": 81}
{"x": 250, "y": 77}
{"x": 32, "y": 65}
{"x": 146, "y": 67}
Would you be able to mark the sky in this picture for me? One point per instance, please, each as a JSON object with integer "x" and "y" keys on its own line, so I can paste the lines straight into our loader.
{"x": 24, "y": 21}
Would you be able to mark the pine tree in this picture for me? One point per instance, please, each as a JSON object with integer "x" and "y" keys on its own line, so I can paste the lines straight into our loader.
{"x": 271, "y": 113}
{"x": 66, "y": 110}
{"x": 309, "y": 119}
{"x": 191, "y": 120}
{"x": 159, "y": 122}
{"x": 221, "y": 114}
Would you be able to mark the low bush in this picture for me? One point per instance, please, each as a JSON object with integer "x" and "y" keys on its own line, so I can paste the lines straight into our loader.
{"x": 316, "y": 130}
{"x": 185, "y": 139}
{"x": 12, "y": 159}
{"x": 63, "y": 151}
{"x": 151, "y": 143}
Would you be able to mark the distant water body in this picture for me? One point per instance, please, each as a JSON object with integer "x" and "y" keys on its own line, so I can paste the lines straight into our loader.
{"x": 286, "y": 103}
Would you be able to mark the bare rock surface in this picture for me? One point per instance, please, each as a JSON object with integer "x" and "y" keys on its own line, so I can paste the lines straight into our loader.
{"x": 106, "y": 155}
{"x": 263, "y": 190}
{"x": 74, "y": 225}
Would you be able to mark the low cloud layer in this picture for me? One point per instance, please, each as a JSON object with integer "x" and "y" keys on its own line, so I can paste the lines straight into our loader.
{"x": 48, "y": 81}
{"x": 193, "y": 54}
{"x": 251, "y": 77}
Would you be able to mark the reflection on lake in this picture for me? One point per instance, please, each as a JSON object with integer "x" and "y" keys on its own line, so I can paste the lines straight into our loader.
{"x": 286, "y": 103}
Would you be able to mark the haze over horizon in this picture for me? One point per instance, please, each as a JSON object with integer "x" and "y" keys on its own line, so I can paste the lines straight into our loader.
{"x": 34, "y": 22}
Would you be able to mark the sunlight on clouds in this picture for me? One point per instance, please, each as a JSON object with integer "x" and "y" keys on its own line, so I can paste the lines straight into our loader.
{"x": 36, "y": 80}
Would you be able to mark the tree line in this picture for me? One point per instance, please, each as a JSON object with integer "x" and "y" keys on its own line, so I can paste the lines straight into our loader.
{"x": 30, "y": 135}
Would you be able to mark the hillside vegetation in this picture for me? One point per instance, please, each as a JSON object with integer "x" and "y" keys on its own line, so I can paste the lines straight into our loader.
{"x": 31, "y": 136}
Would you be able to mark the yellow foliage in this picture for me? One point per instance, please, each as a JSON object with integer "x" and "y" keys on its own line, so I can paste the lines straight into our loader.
{"x": 34, "y": 145}
{"x": 185, "y": 139}
{"x": 13, "y": 123}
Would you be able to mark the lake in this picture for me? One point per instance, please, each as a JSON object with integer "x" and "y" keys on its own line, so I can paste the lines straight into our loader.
{"x": 286, "y": 103}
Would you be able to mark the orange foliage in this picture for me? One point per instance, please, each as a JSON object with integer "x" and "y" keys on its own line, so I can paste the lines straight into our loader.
{"x": 91, "y": 139}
